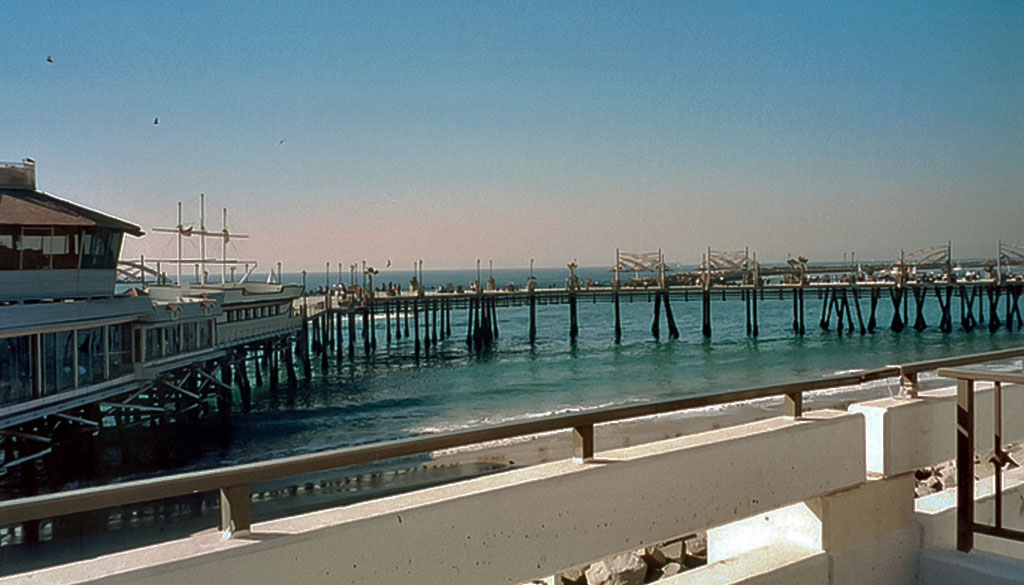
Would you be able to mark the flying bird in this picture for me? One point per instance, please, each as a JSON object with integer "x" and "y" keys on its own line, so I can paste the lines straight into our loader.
{"x": 280, "y": 143}
{"x": 49, "y": 59}
{"x": 156, "y": 121}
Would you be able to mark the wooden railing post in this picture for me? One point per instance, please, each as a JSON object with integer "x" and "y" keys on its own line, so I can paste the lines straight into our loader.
{"x": 964, "y": 465}
{"x": 234, "y": 509}
{"x": 582, "y": 443}
{"x": 908, "y": 384}
{"x": 794, "y": 406}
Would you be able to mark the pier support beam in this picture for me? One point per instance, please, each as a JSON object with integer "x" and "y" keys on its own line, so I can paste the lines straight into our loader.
{"x": 993, "y": 309}
{"x": 706, "y": 313}
{"x": 896, "y": 295}
{"x": 618, "y": 318}
{"x": 416, "y": 327}
{"x": 655, "y": 325}
{"x": 533, "y": 317}
{"x": 920, "y": 294}
{"x": 673, "y": 331}
{"x": 574, "y": 325}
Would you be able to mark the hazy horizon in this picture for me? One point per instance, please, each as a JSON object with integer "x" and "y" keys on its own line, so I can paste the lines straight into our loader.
{"x": 336, "y": 132}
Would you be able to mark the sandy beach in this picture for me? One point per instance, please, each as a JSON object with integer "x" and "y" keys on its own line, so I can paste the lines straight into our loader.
{"x": 544, "y": 447}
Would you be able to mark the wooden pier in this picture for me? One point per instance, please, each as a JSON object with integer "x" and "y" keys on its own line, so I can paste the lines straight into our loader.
{"x": 848, "y": 308}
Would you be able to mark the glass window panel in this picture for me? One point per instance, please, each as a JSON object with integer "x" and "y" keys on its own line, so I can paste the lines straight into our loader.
{"x": 58, "y": 361}
{"x": 49, "y": 363}
{"x": 173, "y": 340}
{"x": 90, "y": 356}
{"x": 33, "y": 256}
{"x": 65, "y": 360}
{"x": 120, "y": 349}
{"x": 205, "y": 337}
{"x": 65, "y": 248}
{"x": 154, "y": 344}
{"x": 8, "y": 248}
{"x": 188, "y": 336}
{"x": 15, "y": 370}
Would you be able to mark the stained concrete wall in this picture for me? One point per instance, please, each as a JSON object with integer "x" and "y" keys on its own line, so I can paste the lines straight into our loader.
{"x": 523, "y": 524}
{"x": 907, "y": 434}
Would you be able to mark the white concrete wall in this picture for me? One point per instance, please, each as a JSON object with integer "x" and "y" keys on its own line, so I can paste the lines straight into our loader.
{"x": 523, "y": 524}
{"x": 770, "y": 565}
{"x": 904, "y": 434}
{"x": 936, "y": 514}
{"x": 868, "y": 532}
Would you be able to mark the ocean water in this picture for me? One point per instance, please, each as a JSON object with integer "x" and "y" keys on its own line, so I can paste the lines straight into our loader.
{"x": 392, "y": 395}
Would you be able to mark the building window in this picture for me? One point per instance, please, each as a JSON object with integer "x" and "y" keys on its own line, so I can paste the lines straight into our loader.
{"x": 90, "y": 356}
{"x": 58, "y": 362}
{"x": 100, "y": 248}
{"x": 173, "y": 340}
{"x": 205, "y": 334}
{"x": 33, "y": 248}
{"x": 154, "y": 343}
{"x": 120, "y": 349}
{"x": 15, "y": 369}
{"x": 9, "y": 236}
{"x": 188, "y": 337}
{"x": 63, "y": 248}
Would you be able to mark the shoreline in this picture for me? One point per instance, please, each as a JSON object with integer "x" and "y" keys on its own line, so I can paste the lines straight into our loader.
{"x": 552, "y": 446}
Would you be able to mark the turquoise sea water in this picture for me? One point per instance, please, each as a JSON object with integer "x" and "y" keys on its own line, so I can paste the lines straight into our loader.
{"x": 393, "y": 395}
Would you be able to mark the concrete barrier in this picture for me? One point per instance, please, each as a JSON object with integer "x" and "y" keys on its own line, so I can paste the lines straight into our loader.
{"x": 523, "y": 524}
{"x": 904, "y": 434}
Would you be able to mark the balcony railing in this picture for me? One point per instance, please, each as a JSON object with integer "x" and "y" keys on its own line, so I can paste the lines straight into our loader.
{"x": 966, "y": 527}
{"x": 233, "y": 482}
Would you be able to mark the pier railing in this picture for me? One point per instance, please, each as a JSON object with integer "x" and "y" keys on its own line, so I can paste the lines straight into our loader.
{"x": 966, "y": 527}
{"x": 233, "y": 482}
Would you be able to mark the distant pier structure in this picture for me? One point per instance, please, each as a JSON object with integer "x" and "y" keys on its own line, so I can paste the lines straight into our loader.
{"x": 968, "y": 295}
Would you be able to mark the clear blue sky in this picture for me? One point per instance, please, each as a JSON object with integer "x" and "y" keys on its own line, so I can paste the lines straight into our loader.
{"x": 509, "y": 130}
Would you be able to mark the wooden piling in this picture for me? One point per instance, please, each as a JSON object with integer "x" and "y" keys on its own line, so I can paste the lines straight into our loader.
{"x": 470, "y": 317}
{"x": 706, "y": 313}
{"x": 993, "y": 309}
{"x": 673, "y": 331}
{"x": 274, "y": 372}
{"x": 896, "y": 295}
{"x": 351, "y": 335}
{"x": 574, "y": 325}
{"x": 448, "y": 320}
{"x": 618, "y": 319}
{"x": 875, "y": 296}
{"x": 494, "y": 316}
{"x": 655, "y": 324}
{"x": 533, "y": 317}
{"x": 753, "y": 306}
{"x": 860, "y": 318}
{"x": 387, "y": 321}
{"x": 426, "y": 325}
{"x": 289, "y": 364}
{"x": 242, "y": 382}
{"x": 745, "y": 296}
{"x": 338, "y": 335}
{"x": 796, "y": 322}
{"x": 416, "y": 327}
{"x": 433, "y": 320}
{"x": 1016, "y": 292}
{"x": 920, "y": 294}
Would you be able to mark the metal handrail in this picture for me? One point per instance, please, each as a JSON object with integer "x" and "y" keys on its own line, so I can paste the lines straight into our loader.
{"x": 231, "y": 480}
{"x": 908, "y": 372}
{"x": 966, "y": 527}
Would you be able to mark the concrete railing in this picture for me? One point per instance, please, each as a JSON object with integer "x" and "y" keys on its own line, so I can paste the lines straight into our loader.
{"x": 530, "y": 522}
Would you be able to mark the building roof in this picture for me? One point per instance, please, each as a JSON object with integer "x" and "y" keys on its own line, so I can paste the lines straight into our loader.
{"x": 31, "y": 207}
